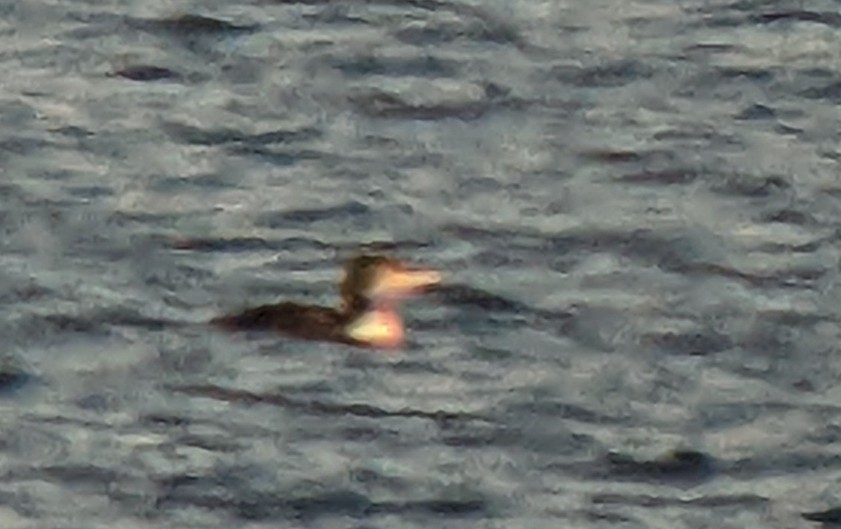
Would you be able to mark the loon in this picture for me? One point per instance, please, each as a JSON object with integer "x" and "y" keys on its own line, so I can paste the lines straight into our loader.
{"x": 368, "y": 317}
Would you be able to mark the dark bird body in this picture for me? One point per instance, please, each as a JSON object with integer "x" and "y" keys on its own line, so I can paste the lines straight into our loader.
{"x": 308, "y": 322}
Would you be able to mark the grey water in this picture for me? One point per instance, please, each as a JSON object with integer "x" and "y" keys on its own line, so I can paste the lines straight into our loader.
{"x": 636, "y": 206}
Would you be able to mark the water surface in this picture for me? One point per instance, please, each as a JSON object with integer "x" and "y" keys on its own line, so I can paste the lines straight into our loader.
{"x": 636, "y": 205}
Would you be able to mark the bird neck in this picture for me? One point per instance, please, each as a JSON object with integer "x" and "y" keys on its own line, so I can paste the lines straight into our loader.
{"x": 378, "y": 325}
{"x": 354, "y": 305}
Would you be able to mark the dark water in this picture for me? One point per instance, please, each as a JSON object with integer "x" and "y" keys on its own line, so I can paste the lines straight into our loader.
{"x": 637, "y": 206}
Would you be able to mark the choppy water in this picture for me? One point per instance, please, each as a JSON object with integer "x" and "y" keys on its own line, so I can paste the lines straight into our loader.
{"x": 636, "y": 205}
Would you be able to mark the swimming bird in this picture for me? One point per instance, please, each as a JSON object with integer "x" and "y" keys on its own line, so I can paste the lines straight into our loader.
{"x": 370, "y": 291}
